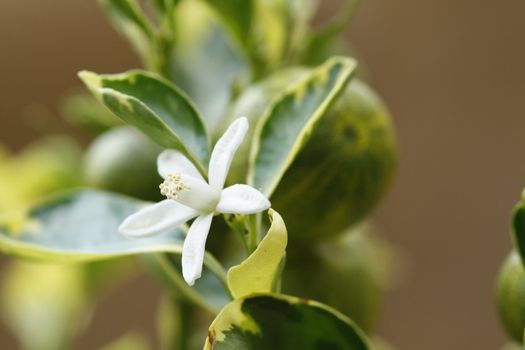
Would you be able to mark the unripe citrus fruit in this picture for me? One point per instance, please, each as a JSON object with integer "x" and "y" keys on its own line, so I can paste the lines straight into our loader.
{"x": 344, "y": 168}
{"x": 510, "y": 296}
{"x": 350, "y": 274}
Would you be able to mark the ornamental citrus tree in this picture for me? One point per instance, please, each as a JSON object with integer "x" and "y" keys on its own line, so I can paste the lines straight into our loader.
{"x": 238, "y": 165}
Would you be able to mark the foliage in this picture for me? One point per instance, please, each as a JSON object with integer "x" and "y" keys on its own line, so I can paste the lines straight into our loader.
{"x": 320, "y": 146}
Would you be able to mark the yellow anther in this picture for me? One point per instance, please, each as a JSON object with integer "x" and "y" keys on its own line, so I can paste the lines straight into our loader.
{"x": 172, "y": 186}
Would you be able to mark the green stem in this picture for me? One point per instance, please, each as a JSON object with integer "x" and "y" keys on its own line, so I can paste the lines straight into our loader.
{"x": 254, "y": 231}
{"x": 177, "y": 283}
{"x": 238, "y": 225}
{"x": 218, "y": 270}
{"x": 162, "y": 41}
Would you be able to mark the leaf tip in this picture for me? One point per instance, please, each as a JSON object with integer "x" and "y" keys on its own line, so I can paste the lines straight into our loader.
{"x": 91, "y": 79}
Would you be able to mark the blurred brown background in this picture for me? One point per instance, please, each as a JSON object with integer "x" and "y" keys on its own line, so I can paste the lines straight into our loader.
{"x": 453, "y": 75}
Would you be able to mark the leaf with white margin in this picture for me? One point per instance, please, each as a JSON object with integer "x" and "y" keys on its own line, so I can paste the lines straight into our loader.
{"x": 258, "y": 273}
{"x": 156, "y": 107}
{"x": 284, "y": 128}
{"x": 79, "y": 226}
{"x": 271, "y": 321}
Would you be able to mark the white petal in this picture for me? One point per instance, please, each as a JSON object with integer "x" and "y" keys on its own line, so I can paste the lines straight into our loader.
{"x": 195, "y": 193}
{"x": 156, "y": 218}
{"x": 242, "y": 199}
{"x": 171, "y": 161}
{"x": 194, "y": 248}
{"x": 224, "y": 150}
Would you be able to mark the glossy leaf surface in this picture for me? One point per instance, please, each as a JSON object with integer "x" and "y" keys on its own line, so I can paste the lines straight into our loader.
{"x": 282, "y": 322}
{"x": 79, "y": 226}
{"x": 285, "y": 127}
{"x": 154, "y": 106}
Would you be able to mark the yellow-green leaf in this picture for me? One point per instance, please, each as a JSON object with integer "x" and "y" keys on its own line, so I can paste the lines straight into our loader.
{"x": 257, "y": 274}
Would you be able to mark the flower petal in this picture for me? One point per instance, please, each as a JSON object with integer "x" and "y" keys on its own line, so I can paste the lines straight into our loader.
{"x": 171, "y": 161}
{"x": 191, "y": 192}
{"x": 242, "y": 199}
{"x": 194, "y": 248}
{"x": 156, "y": 218}
{"x": 224, "y": 150}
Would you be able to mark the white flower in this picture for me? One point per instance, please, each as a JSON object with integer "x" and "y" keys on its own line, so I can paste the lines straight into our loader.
{"x": 189, "y": 196}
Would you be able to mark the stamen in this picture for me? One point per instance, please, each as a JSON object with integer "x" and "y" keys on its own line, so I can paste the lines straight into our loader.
{"x": 172, "y": 186}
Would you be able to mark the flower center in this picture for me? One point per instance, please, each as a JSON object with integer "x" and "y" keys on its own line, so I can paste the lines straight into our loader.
{"x": 172, "y": 186}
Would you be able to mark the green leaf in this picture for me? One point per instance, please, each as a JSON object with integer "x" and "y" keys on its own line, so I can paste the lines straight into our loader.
{"x": 281, "y": 322}
{"x": 165, "y": 5}
{"x": 237, "y": 15}
{"x": 79, "y": 226}
{"x": 200, "y": 36}
{"x": 258, "y": 273}
{"x": 284, "y": 129}
{"x": 154, "y": 106}
{"x": 82, "y": 225}
{"x": 129, "y": 20}
{"x": 259, "y": 29}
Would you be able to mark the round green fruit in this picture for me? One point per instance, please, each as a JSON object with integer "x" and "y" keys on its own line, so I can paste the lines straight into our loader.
{"x": 344, "y": 168}
{"x": 124, "y": 161}
{"x": 350, "y": 274}
{"x": 510, "y": 296}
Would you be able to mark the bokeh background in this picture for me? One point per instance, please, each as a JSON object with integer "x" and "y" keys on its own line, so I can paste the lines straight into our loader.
{"x": 453, "y": 75}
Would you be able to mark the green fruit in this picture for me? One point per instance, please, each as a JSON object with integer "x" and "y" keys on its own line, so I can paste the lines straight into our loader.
{"x": 350, "y": 274}
{"x": 344, "y": 168}
{"x": 510, "y": 296}
{"x": 123, "y": 160}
